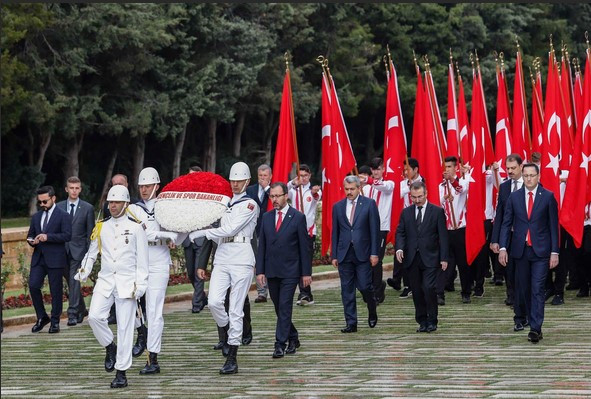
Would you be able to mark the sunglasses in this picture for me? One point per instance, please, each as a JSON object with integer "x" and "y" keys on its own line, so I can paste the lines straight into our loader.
{"x": 43, "y": 202}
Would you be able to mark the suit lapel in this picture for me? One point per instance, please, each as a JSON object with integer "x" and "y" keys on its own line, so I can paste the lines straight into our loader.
{"x": 358, "y": 208}
{"x": 286, "y": 219}
{"x": 537, "y": 200}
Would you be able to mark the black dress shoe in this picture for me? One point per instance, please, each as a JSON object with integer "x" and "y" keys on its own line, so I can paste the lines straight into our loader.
{"x": 509, "y": 301}
{"x": 110, "y": 357}
{"x": 81, "y": 316}
{"x": 120, "y": 380}
{"x": 583, "y": 292}
{"x": 260, "y": 299}
{"x": 247, "y": 337}
{"x": 112, "y": 320}
{"x": 349, "y": 329}
{"x": 394, "y": 284}
{"x": 292, "y": 346}
{"x": 534, "y": 337}
{"x": 440, "y": 300}
{"x": 558, "y": 300}
{"x": 38, "y": 326}
{"x": 54, "y": 328}
{"x": 422, "y": 328}
{"x": 372, "y": 321}
{"x": 72, "y": 321}
{"x": 431, "y": 327}
{"x": 518, "y": 327}
{"x": 549, "y": 294}
{"x": 278, "y": 352}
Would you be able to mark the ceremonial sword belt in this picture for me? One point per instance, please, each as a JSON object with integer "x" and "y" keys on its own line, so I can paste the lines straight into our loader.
{"x": 156, "y": 243}
{"x": 240, "y": 239}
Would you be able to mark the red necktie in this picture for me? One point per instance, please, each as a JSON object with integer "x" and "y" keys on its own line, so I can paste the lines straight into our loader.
{"x": 530, "y": 205}
{"x": 279, "y": 219}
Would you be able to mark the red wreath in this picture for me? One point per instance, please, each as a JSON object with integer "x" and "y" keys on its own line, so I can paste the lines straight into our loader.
{"x": 203, "y": 182}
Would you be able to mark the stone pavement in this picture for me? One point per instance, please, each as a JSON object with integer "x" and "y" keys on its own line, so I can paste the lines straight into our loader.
{"x": 475, "y": 353}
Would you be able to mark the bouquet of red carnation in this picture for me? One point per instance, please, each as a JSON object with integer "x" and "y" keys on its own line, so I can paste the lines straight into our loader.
{"x": 192, "y": 202}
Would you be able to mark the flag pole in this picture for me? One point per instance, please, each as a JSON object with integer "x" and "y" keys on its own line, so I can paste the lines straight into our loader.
{"x": 293, "y": 129}
{"x": 457, "y": 116}
{"x": 570, "y": 134}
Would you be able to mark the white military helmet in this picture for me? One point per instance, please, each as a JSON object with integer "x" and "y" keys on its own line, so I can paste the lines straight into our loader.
{"x": 118, "y": 193}
{"x": 239, "y": 171}
{"x": 148, "y": 176}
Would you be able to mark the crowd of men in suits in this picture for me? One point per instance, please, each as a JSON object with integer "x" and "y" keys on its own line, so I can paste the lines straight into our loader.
{"x": 521, "y": 225}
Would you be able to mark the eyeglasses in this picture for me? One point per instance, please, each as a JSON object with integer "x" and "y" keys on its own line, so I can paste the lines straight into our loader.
{"x": 529, "y": 176}
{"x": 43, "y": 202}
{"x": 276, "y": 196}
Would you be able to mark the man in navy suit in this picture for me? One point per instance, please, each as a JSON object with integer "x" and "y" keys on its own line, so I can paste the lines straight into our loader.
{"x": 260, "y": 193}
{"x": 283, "y": 259}
{"x": 82, "y": 224}
{"x": 50, "y": 229}
{"x": 513, "y": 183}
{"x": 532, "y": 213}
{"x": 422, "y": 249}
{"x": 355, "y": 246}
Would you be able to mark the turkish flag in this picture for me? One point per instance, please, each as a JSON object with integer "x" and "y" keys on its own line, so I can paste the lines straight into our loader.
{"x": 394, "y": 147}
{"x": 434, "y": 105}
{"x": 553, "y": 126}
{"x": 503, "y": 141}
{"x": 453, "y": 140}
{"x": 424, "y": 142}
{"x": 537, "y": 115}
{"x": 337, "y": 156}
{"x": 567, "y": 117}
{"x": 578, "y": 187}
{"x": 475, "y": 237}
{"x": 463, "y": 126}
{"x": 520, "y": 132}
{"x": 286, "y": 147}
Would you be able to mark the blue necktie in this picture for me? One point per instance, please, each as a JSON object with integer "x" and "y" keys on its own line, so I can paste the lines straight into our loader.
{"x": 44, "y": 225}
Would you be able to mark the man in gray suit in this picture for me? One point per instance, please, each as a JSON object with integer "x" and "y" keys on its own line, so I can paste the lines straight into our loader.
{"x": 82, "y": 225}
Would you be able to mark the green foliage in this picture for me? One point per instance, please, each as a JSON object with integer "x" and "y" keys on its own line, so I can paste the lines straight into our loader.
{"x": 24, "y": 267}
{"x": 80, "y": 80}
{"x": 5, "y": 275}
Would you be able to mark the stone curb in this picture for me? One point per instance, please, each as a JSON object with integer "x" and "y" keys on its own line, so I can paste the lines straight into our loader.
{"x": 187, "y": 296}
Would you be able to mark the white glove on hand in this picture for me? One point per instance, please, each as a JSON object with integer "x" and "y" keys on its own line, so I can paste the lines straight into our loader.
{"x": 167, "y": 235}
{"x": 196, "y": 234}
{"x": 82, "y": 275}
{"x": 139, "y": 292}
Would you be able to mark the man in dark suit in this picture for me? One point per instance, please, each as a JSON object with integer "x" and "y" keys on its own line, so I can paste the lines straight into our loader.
{"x": 82, "y": 214}
{"x": 283, "y": 259}
{"x": 532, "y": 215}
{"x": 422, "y": 248}
{"x": 355, "y": 246}
{"x": 50, "y": 229}
{"x": 513, "y": 183}
{"x": 260, "y": 193}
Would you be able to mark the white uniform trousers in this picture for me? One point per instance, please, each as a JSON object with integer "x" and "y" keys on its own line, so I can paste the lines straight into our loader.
{"x": 100, "y": 307}
{"x": 155, "y": 294}
{"x": 239, "y": 278}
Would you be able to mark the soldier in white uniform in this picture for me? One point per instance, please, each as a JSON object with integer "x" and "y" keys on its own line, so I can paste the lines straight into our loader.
{"x": 123, "y": 279}
{"x": 159, "y": 244}
{"x": 304, "y": 197}
{"x": 234, "y": 262}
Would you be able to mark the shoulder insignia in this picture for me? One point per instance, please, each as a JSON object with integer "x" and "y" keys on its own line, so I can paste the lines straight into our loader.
{"x": 134, "y": 220}
{"x": 250, "y": 206}
{"x": 104, "y": 220}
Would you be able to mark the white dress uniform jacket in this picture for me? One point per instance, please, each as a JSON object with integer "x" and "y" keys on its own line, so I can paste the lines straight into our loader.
{"x": 381, "y": 192}
{"x": 124, "y": 258}
{"x": 459, "y": 202}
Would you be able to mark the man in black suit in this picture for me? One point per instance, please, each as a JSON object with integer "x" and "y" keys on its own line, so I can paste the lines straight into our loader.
{"x": 283, "y": 259}
{"x": 82, "y": 214}
{"x": 513, "y": 183}
{"x": 50, "y": 229}
{"x": 260, "y": 193}
{"x": 422, "y": 248}
{"x": 355, "y": 246}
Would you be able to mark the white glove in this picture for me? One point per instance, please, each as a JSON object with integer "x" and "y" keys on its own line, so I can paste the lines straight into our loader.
{"x": 82, "y": 275}
{"x": 167, "y": 235}
{"x": 196, "y": 234}
{"x": 139, "y": 292}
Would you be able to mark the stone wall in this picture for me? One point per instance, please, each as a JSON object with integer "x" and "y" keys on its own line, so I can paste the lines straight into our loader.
{"x": 14, "y": 241}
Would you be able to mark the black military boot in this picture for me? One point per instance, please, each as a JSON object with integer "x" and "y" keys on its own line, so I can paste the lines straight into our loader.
{"x": 246, "y": 326}
{"x": 140, "y": 343}
{"x": 152, "y": 366}
{"x": 231, "y": 366}
{"x": 110, "y": 357}
{"x": 120, "y": 380}
{"x": 225, "y": 347}
{"x": 221, "y": 341}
